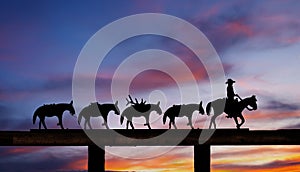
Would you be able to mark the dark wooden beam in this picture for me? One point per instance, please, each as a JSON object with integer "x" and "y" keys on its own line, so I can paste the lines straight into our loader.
{"x": 200, "y": 139}
{"x": 146, "y": 137}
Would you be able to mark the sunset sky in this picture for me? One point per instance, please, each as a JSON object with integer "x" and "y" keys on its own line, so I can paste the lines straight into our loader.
{"x": 258, "y": 43}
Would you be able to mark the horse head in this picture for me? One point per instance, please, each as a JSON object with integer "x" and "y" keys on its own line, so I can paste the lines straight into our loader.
{"x": 71, "y": 108}
{"x": 157, "y": 108}
{"x": 116, "y": 108}
{"x": 201, "y": 110}
{"x": 252, "y": 102}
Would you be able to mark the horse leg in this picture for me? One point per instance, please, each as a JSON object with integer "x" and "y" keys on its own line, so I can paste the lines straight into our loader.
{"x": 60, "y": 122}
{"x": 127, "y": 124}
{"x": 106, "y": 125}
{"x": 237, "y": 122}
{"x": 131, "y": 124}
{"x": 210, "y": 124}
{"x": 213, "y": 121}
{"x": 174, "y": 124}
{"x": 40, "y": 123}
{"x": 242, "y": 120}
{"x": 190, "y": 122}
{"x": 147, "y": 123}
{"x": 89, "y": 123}
{"x": 43, "y": 122}
{"x": 105, "y": 122}
{"x": 171, "y": 121}
{"x": 85, "y": 123}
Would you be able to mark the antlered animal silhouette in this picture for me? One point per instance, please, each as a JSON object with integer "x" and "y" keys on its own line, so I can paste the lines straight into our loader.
{"x": 139, "y": 110}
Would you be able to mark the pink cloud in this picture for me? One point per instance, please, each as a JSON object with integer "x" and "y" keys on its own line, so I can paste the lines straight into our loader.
{"x": 238, "y": 27}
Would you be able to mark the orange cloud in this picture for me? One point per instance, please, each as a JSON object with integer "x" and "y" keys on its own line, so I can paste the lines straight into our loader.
{"x": 172, "y": 161}
{"x": 255, "y": 158}
{"x": 80, "y": 164}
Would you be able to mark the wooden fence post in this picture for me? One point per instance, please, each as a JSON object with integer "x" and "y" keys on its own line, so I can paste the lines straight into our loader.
{"x": 96, "y": 159}
{"x": 202, "y": 158}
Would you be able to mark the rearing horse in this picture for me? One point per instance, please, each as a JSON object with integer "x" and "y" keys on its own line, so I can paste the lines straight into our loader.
{"x": 51, "y": 110}
{"x": 235, "y": 112}
{"x": 95, "y": 110}
{"x": 131, "y": 112}
{"x": 181, "y": 111}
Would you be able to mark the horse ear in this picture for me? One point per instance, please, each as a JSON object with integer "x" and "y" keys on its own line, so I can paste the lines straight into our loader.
{"x": 116, "y": 103}
{"x": 71, "y": 102}
{"x": 158, "y": 103}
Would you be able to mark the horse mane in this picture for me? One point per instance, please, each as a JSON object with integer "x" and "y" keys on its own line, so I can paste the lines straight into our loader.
{"x": 251, "y": 98}
{"x": 94, "y": 103}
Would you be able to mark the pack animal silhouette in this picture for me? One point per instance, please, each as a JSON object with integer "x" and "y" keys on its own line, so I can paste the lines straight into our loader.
{"x": 50, "y": 110}
{"x": 139, "y": 110}
{"x": 182, "y": 111}
{"x": 95, "y": 110}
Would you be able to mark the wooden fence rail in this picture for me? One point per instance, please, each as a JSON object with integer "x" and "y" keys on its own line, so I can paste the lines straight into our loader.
{"x": 141, "y": 137}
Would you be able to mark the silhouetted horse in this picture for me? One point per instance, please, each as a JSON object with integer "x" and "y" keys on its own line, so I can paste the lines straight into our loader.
{"x": 235, "y": 112}
{"x": 181, "y": 111}
{"x": 51, "y": 110}
{"x": 131, "y": 112}
{"x": 95, "y": 110}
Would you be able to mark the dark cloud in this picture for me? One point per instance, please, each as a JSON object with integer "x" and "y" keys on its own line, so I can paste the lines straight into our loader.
{"x": 236, "y": 22}
{"x": 56, "y": 83}
{"x": 229, "y": 24}
{"x": 4, "y": 109}
{"x": 34, "y": 159}
{"x": 295, "y": 126}
{"x": 276, "y": 105}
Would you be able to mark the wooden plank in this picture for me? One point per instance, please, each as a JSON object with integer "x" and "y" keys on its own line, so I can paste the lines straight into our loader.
{"x": 156, "y": 137}
{"x": 146, "y": 137}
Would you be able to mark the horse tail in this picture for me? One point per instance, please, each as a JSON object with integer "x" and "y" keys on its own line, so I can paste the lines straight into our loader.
{"x": 121, "y": 119}
{"x": 122, "y": 116}
{"x": 208, "y": 108}
{"x": 79, "y": 117}
{"x": 165, "y": 117}
{"x": 34, "y": 117}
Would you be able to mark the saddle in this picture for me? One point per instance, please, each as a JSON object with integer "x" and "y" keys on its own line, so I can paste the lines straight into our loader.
{"x": 139, "y": 106}
{"x": 142, "y": 107}
{"x": 49, "y": 107}
{"x": 177, "y": 107}
{"x": 94, "y": 104}
{"x": 230, "y": 107}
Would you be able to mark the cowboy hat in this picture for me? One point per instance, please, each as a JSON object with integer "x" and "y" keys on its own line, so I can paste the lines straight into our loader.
{"x": 229, "y": 81}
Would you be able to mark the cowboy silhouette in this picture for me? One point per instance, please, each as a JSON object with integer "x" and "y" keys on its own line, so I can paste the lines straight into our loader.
{"x": 231, "y": 102}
